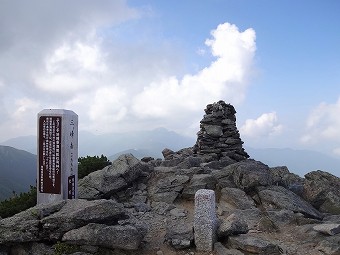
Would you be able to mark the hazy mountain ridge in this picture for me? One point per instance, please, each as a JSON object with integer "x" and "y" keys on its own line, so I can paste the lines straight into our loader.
{"x": 298, "y": 161}
{"x": 26, "y": 143}
{"x": 18, "y": 171}
{"x": 18, "y": 167}
{"x": 109, "y": 144}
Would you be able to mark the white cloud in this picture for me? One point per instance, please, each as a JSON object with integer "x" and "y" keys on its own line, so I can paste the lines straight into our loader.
{"x": 111, "y": 83}
{"x": 50, "y": 53}
{"x": 71, "y": 67}
{"x": 30, "y": 30}
{"x": 21, "y": 116}
{"x": 76, "y": 56}
{"x": 225, "y": 78}
{"x": 103, "y": 114}
{"x": 323, "y": 123}
{"x": 265, "y": 125}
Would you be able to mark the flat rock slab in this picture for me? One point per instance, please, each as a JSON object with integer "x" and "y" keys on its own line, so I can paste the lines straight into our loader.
{"x": 221, "y": 250}
{"x": 52, "y": 221}
{"x": 77, "y": 213}
{"x": 125, "y": 237}
{"x": 328, "y": 229}
{"x": 253, "y": 245}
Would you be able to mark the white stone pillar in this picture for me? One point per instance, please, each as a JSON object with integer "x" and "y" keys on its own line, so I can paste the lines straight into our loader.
{"x": 205, "y": 220}
{"x": 57, "y": 166}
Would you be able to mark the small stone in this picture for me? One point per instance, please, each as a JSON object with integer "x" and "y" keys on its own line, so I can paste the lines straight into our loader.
{"x": 232, "y": 226}
{"x": 253, "y": 245}
{"x": 159, "y": 253}
{"x": 168, "y": 154}
{"x": 221, "y": 250}
{"x": 214, "y": 130}
{"x": 176, "y": 212}
{"x": 328, "y": 229}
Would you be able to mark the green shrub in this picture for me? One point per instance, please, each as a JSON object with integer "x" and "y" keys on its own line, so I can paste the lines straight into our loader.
{"x": 65, "y": 248}
{"x": 19, "y": 203}
{"x": 90, "y": 164}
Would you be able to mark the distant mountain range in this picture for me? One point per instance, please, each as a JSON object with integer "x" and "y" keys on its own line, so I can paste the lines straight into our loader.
{"x": 17, "y": 171}
{"x": 298, "y": 161}
{"x": 153, "y": 141}
{"x": 18, "y": 166}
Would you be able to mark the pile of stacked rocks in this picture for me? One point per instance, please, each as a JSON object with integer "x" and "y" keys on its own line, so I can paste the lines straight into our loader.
{"x": 218, "y": 136}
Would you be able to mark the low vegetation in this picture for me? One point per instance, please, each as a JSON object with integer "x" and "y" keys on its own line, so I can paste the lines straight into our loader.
{"x": 88, "y": 164}
{"x": 18, "y": 203}
{"x": 64, "y": 248}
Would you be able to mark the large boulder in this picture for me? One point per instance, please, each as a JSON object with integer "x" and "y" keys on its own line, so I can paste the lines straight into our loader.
{"x": 250, "y": 216}
{"x": 281, "y": 217}
{"x": 22, "y": 227}
{"x": 51, "y": 221}
{"x": 282, "y": 177}
{"x": 126, "y": 237}
{"x": 77, "y": 213}
{"x": 224, "y": 177}
{"x": 277, "y": 197}
{"x": 167, "y": 189}
{"x": 233, "y": 198}
{"x": 322, "y": 190}
{"x": 232, "y": 225}
{"x": 172, "y": 158}
{"x": 199, "y": 181}
{"x": 249, "y": 174}
{"x": 104, "y": 183}
{"x": 26, "y": 226}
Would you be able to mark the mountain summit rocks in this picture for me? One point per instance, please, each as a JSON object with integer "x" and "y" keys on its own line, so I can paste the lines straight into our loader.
{"x": 146, "y": 207}
{"x": 218, "y": 136}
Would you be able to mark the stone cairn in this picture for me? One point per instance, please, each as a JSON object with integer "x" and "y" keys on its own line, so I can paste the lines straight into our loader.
{"x": 218, "y": 136}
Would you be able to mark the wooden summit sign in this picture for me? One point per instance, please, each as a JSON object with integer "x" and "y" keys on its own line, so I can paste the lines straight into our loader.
{"x": 57, "y": 173}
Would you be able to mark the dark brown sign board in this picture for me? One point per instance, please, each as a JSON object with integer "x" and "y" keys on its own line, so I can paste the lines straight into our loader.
{"x": 49, "y": 157}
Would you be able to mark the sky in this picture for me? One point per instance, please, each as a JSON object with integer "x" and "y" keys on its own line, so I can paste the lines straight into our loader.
{"x": 143, "y": 64}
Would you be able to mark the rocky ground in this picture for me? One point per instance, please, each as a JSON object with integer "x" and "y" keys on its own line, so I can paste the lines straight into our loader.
{"x": 153, "y": 213}
{"x": 146, "y": 207}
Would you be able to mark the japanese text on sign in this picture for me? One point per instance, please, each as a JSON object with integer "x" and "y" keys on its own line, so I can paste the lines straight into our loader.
{"x": 50, "y": 154}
